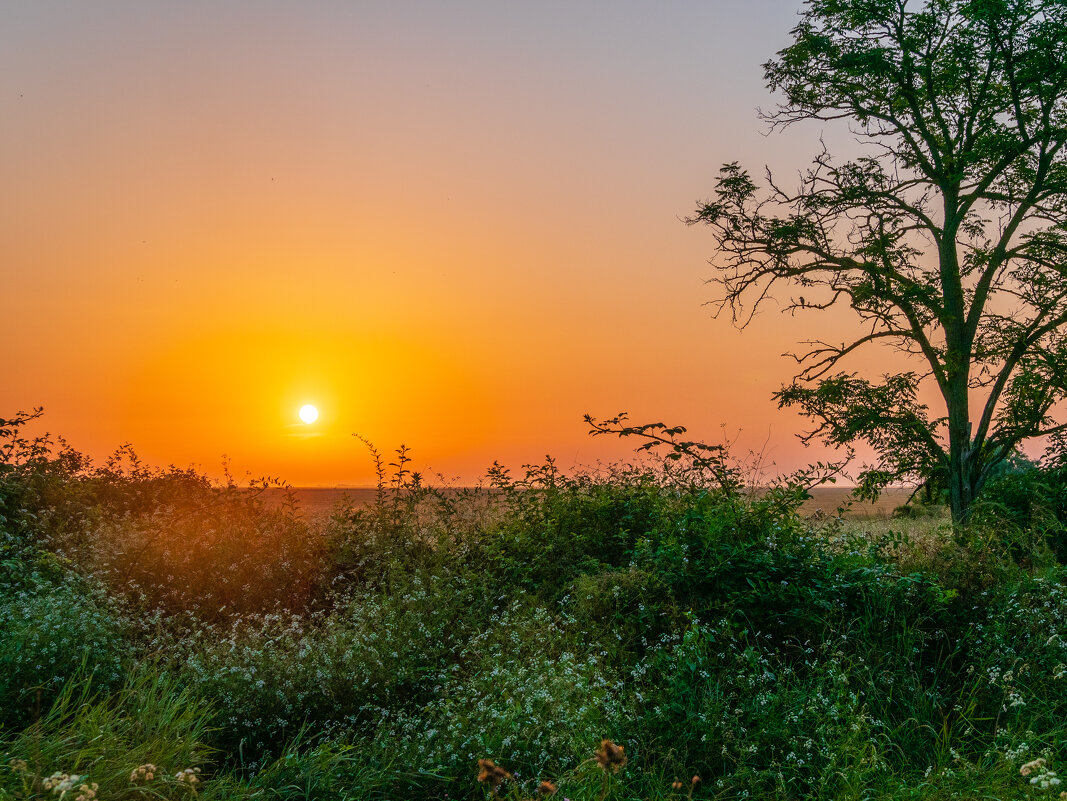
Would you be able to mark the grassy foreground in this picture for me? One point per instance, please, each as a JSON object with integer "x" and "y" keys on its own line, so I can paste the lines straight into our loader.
{"x": 165, "y": 638}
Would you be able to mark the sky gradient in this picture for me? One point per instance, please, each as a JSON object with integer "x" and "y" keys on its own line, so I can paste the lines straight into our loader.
{"x": 456, "y": 226}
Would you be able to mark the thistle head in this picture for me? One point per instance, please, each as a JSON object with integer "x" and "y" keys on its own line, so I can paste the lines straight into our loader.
{"x": 610, "y": 757}
{"x": 492, "y": 774}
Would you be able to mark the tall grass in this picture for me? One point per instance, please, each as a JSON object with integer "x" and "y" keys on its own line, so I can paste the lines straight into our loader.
{"x": 150, "y": 720}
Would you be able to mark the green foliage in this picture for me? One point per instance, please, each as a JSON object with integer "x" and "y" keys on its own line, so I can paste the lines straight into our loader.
{"x": 702, "y": 625}
{"x": 887, "y": 415}
{"x": 324, "y": 771}
{"x": 1029, "y": 507}
{"x": 1019, "y": 656}
{"x": 524, "y": 692}
{"x": 53, "y": 630}
{"x": 752, "y": 718}
{"x": 216, "y": 552}
{"x": 269, "y": 675}
{"x": 103, "y": 739}
{"x": 41, "y": 502}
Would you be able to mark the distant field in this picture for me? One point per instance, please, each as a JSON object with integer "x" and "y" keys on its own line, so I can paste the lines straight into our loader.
{"x": 320, "y": 501}
{"x": 828, "y": 499}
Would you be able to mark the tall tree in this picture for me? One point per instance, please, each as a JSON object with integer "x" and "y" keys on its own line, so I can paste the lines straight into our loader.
{"x": 947, "y": 237}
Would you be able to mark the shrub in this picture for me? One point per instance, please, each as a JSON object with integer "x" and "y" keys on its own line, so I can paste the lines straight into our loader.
{"x": 216, "y": 552}
{"x": 268, "y": 676}
{"x": 1030, "y": 507}
{"x": 54, "y": 628}
{"x": 524, "y": 692}
{"x": 1018, "y": 660}
{"x": 706, "y": 628}
{"x": 752, "y": 719}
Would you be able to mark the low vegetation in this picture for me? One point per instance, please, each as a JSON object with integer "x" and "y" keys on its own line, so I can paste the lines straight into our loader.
{"x": 652, "y": 631}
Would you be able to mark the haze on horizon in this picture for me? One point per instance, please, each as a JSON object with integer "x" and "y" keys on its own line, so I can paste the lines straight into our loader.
{"x": 455, "y": 226}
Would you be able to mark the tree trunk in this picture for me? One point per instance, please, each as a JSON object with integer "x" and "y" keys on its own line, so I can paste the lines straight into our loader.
{"x": 958, "y": 343}
{"x": 960, "y": 485}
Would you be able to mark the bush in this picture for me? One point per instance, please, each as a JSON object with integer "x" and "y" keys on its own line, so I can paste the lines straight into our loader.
{"x": 269, "y": 676}
{"x": 55, "y": 628}
{"x": 523, "y": 692}
{"x": 216, "y": 552}
{"x": 706, "y": 628}
{"x": 753, "y": 720}
{"x": 1030, "y": 507}
{"x": 1018, "y": 660}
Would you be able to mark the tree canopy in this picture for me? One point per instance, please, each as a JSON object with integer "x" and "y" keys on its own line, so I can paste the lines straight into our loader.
{"x": 947, "y": 236}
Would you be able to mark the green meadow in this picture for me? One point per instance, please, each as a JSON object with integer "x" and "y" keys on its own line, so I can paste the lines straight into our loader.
{"x": 647, "y": 631}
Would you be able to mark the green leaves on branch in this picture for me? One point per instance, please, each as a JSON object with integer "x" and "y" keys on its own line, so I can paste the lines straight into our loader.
{"x": 886, "y": 416}
{"x": 693, "y": 461}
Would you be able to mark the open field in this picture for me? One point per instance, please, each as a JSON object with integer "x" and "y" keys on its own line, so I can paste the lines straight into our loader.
{"x": 319, "y": 501}
{"x": 828, "y": 499}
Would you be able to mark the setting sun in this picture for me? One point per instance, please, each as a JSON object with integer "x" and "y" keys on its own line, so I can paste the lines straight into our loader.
{"x": 262, "y": 266}
{"x": 309, "y": 414}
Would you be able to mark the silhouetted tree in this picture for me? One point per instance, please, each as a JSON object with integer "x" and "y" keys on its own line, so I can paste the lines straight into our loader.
{"x": 947, "y": 236}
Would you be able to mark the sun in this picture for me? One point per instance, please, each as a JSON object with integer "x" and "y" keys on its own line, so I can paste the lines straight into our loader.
{"x": 309, "y": 414}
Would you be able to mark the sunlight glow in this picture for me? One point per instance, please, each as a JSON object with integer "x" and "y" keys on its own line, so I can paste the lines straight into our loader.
{"x": 309, "y": 414}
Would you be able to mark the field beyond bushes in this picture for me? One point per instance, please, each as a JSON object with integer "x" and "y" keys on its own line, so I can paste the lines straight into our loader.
{"x": 825, "y": 500}
{"x": 164, "y": 637}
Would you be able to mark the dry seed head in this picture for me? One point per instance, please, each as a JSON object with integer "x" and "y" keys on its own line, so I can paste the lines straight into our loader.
{"x": 610, "y": 756}
{"x": 144, "y": 773}
{"x": 546, "y": 788}
{"x": 677, "y": 785}
{"x": 1030, "y": 767}
{"x": 188, "y": 776}
{"x": 61, "y": 783}
{"x": 491, "y": 773}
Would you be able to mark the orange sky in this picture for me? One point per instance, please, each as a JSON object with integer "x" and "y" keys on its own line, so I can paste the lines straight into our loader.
{"x": 450, "y": 225}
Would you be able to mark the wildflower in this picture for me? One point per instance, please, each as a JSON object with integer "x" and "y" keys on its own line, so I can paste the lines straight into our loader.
{"x": 188, "y": 776}
{"x": 610, "y": 756}
{"x": 54, "y": 780}
{"x": 1045, "y": 780}
{"x": 143, "y": 773}
{"x": 546, "y": 788}
{"x": 492, "y": 774}
{"x": 61, "y": 783}
{"x": 19, "y": 766}
{"x": 678, "y": 786}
